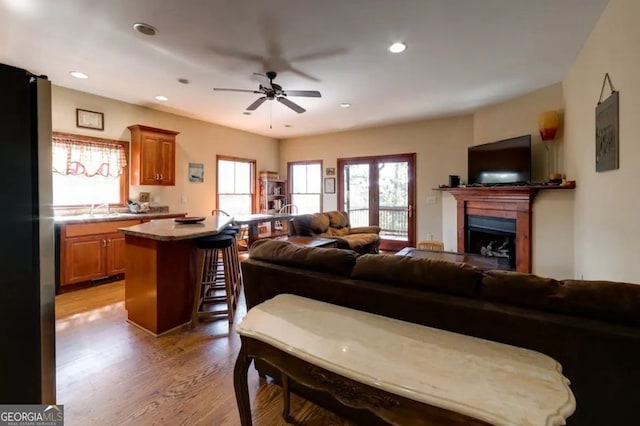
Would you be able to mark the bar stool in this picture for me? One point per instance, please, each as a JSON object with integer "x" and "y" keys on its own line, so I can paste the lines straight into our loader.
{"x": 217, "y": 279}
{"x": 237, "y": 271}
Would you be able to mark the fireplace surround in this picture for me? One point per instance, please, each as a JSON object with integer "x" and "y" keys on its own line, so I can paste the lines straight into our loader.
{"x": 498, "y": 203}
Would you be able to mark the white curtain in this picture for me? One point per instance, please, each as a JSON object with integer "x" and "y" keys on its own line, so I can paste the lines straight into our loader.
{"x": 80, "y": 157}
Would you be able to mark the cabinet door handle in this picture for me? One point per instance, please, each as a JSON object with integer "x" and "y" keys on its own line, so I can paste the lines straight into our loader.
{"x": 161, "y": 177}
{"x": 104, "y": 243}
{"x": 157, "y": 176}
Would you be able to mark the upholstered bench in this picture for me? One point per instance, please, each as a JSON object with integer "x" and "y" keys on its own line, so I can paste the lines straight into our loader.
{"x": 403, "y": 373}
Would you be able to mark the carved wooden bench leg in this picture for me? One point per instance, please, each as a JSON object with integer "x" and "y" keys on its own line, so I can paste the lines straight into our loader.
{"x": 286, "y": 397}
{"x": 240, "y": 384}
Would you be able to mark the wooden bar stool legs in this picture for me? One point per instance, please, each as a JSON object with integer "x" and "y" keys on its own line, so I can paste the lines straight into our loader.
{"x": 218, "y": 278}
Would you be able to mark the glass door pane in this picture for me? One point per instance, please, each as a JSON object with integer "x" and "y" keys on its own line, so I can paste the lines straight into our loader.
{"x": 381, "y": 191}
{"x": 393, "y": 201}
{"x": 356, "y": 193}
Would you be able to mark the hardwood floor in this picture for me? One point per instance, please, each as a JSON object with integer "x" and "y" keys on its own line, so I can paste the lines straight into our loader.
{"x": 113, "y": 373}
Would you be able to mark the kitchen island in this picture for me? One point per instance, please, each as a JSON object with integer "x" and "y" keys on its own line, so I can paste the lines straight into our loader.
{"x": 160, "y": 270}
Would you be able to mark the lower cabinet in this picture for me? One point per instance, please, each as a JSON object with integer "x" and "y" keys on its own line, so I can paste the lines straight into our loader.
{"x": 90, "y": 251}
{"x": 94, "y": 250}
{"x": 83, "y": 259}
{"x": 116, "y": 251}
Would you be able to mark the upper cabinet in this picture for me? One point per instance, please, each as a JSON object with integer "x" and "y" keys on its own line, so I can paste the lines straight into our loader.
{"x": 153, "y": 154}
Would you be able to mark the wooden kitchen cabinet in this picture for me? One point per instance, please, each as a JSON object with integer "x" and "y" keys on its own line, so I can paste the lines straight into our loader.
{"x": 90, "y": 251}
{"x": 153, "y": 154}
{"x": 84, "y": 259}
{"x": 115, "y": 254}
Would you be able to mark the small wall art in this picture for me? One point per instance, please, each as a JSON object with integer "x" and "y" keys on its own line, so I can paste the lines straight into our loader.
{"x": 196, "y": 172}
{"x": 607, "y": 130}
{"x": 329, "y": 185}
{"x": 89, "y": 119}
{"x": 330, "y": 171}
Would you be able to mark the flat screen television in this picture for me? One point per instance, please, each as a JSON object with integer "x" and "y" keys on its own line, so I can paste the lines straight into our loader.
{"x": 501, "y": 163}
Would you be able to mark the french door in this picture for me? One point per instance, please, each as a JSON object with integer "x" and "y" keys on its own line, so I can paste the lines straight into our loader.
{"x": 380, "y": 191}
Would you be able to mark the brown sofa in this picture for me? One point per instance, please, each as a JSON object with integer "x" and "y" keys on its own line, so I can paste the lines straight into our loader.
{"x": 364, "y": 239}
{"x": 591, "y": 327}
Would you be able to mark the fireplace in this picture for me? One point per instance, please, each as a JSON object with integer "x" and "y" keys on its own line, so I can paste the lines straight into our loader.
{"x": 500, "y": 219}
{"x": 492, "y": 236}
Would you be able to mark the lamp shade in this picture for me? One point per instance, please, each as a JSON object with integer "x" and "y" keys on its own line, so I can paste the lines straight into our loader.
{"x": 548, "y": 125}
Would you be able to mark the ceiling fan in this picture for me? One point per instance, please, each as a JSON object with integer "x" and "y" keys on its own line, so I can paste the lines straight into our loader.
{"x": 271, "y": 91}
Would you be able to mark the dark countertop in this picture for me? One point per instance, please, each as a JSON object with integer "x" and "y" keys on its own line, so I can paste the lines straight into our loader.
{"x": 86, "y": 218}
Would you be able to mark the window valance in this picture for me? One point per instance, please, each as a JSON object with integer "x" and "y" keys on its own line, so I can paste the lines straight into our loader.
{"x": 78, "y": 156}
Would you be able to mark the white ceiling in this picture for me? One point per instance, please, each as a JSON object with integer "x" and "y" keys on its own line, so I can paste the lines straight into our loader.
{"x": 462, "y": 54}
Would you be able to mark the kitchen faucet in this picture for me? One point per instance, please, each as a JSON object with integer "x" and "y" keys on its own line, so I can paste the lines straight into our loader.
{"x": 94, "y": 207}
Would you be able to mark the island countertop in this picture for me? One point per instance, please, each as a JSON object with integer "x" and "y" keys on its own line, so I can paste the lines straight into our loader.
{"x": 169, "y": 230}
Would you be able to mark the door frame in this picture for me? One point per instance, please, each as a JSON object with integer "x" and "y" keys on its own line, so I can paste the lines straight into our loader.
{"x": 410, "y": 158}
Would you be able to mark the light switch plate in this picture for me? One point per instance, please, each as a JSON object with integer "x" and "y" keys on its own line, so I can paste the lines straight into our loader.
{"x": 432, "y": 199}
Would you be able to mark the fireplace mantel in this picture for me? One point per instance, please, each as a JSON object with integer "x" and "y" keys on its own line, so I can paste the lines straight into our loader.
{"x": 508, "y": 202}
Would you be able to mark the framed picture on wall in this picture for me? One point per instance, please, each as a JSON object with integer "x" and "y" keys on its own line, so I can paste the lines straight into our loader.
{"x": 329, "y": 185}
{"x": 89, "y": 119}
{"x": 330, "y": 171}
{"x": 196, "y": 172}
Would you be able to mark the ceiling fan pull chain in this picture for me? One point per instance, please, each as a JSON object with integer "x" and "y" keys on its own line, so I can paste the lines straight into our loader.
{"x": 270, "y": 116}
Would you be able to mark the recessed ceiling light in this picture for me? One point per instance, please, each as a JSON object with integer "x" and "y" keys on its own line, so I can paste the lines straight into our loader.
{"x": 288, "y": 125}
{"x": 145, "y": 29}
{"x": 162, "y": 98}
{"x": 246, "y": 113}
{"x": 345, "y": 105}
{"x": 183, "y": 81}
{"x": 78, "y": 74}
{"x": 397, "y": 47}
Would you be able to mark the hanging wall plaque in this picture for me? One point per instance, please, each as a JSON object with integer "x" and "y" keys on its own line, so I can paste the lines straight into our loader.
{"x": 607, "y": 130}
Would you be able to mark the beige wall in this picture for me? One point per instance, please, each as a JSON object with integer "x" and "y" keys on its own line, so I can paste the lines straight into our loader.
{"x": 440, "y": 147}
{"x": 591, "y": 232}
{"x": 552, "y": 240}
{"x": 198, "y": 142}
{"x": 607, "y": 232}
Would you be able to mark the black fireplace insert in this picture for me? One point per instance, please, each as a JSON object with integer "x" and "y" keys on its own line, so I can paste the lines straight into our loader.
{"x": 492, "y": 236}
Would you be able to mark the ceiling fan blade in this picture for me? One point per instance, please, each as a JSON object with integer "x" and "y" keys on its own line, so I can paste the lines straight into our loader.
{"x": 297, "y": 108}
{"x": 307, "y": 93}
{"x": 256, "y": 104}
{"x": 235, "y": 90}
{"x": 263, "y": 79}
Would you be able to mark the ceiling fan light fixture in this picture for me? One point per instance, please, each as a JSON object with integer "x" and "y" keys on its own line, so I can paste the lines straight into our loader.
{"x": 145, "y": 29}
{"x": 79, "y": 74}
{"x": 397, "y": 47}
{"x": 345, "y": 105}
{"x": 162, "y": 98}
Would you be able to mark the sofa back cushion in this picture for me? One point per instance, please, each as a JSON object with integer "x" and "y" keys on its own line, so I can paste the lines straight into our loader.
{"x": 422, "y": 274}
{"x": 331, "y": 260}
{"x": 603, "y": 300}
{"x": 311, "y": 224}
{"x": 338, "y": 220}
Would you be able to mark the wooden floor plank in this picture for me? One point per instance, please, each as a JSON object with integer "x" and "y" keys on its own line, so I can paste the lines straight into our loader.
{"x": 110, "y": 372}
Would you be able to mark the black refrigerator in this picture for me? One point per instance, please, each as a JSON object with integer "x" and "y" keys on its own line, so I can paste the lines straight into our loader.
{"x": 27, "y": 281}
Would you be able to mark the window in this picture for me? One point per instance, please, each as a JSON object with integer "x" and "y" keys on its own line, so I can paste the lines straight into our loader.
{"x": 306, "y": 186}
{"x": 236, "y": 185}
{"x": 89, "y": 170}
